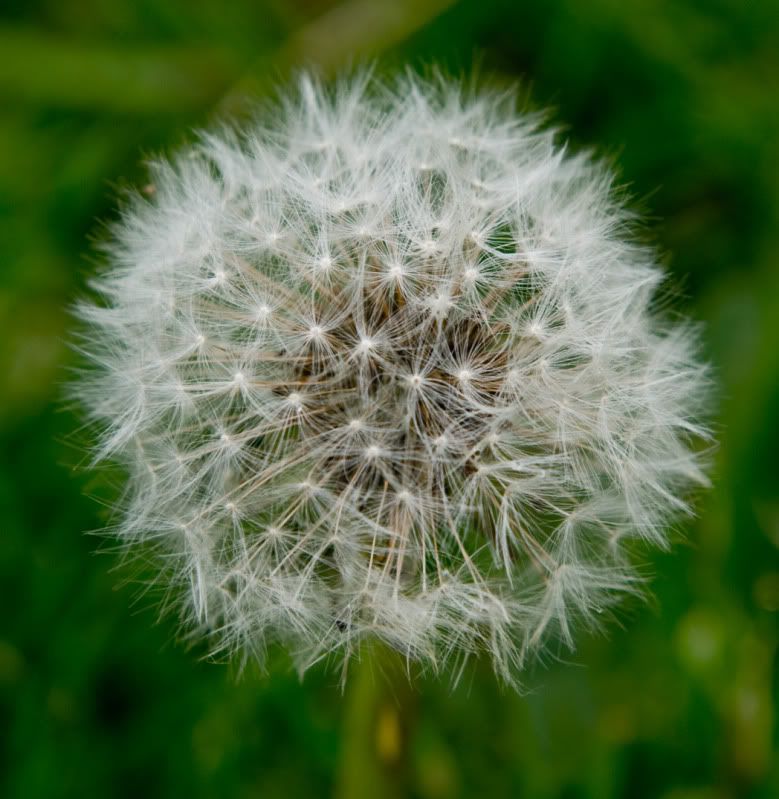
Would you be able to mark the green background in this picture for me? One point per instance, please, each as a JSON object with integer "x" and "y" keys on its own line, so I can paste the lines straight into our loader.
{"x": 96, "y": 696}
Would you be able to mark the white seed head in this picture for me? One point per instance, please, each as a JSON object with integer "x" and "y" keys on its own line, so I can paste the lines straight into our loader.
{"x": 384, "y": 366}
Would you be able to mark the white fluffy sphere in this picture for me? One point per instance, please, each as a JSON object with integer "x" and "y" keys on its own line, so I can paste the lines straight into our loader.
{"x": 384, "y": 365}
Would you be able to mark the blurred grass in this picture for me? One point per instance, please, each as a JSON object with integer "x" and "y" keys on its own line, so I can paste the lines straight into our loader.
{"x": 97, "y": 700}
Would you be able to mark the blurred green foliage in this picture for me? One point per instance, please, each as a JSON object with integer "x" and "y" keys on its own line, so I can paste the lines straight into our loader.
{"x": 96, "y": 699}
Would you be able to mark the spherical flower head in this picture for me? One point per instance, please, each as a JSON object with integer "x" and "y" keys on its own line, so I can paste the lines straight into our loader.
{"x": 383, "y": 365}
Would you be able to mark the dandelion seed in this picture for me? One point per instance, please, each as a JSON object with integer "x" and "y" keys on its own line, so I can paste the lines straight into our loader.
{"x": 392, "y": 358}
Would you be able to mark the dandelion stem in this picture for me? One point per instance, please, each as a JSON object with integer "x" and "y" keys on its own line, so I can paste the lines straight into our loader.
{"x": 378, "y": 713}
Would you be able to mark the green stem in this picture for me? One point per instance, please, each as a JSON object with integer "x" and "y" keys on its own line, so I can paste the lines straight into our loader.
{"x": 376, "y": 723}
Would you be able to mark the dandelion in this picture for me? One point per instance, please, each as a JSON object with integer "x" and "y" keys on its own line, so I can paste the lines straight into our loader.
{"x": 385, "y": 366}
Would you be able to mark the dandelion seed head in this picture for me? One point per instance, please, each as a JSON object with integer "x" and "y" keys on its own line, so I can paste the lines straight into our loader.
{"x": 384, "y": 365}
